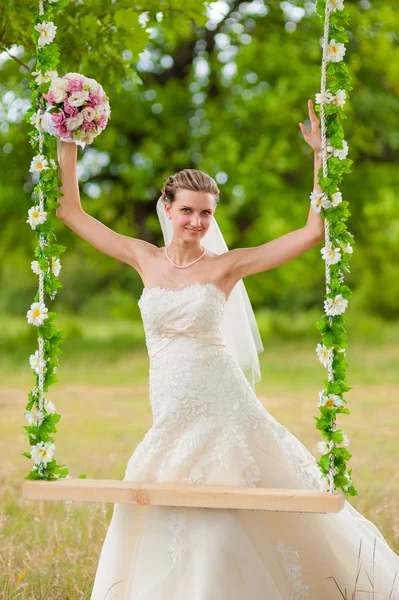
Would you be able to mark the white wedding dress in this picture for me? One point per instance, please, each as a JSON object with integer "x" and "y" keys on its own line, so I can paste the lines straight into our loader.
{"x": 210, "y": 428}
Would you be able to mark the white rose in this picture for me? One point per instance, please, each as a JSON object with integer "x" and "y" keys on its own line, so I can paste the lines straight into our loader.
{"x": 100, "y": 110}
{"x": 75, "y": 122}
{"x": 95, "y": 87}
{"x": 77, "y": 98}
{"x": 87, "y": 136}
{"x": 47, "y": 123}
{"x": 59, "y": 87}
{"x": 88, "y": 113}
{"x": 107, "y": 109}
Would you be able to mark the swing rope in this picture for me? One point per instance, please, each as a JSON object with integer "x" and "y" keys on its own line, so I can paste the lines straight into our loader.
{"x": 326, "y": 222}
{"x": 333, "y": 461}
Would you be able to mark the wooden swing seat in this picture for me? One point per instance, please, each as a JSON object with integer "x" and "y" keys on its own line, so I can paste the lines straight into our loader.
{"x": 187, "y": 495}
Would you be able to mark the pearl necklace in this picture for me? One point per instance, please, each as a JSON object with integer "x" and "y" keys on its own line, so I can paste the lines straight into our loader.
{"x": 184, "y": 266}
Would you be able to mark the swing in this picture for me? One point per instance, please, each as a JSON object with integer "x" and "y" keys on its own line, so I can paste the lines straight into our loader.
{"x": 49, "y": 481}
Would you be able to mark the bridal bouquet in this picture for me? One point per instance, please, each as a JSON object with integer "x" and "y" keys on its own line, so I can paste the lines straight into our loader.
{"x": 78, "y": 109}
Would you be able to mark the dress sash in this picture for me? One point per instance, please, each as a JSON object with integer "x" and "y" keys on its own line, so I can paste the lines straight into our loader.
{"x": 170, "y": 333}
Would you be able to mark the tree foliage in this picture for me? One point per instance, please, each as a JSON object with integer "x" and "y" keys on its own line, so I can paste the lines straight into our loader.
{"x": 220, "y": 88}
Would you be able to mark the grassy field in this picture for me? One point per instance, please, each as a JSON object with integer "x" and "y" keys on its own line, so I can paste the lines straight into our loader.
{"x": 49, "y": 551}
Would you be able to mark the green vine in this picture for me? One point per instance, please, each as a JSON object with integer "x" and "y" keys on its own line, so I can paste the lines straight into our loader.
{"x": 41, "y": 412}
{"x": 337, "y": 252}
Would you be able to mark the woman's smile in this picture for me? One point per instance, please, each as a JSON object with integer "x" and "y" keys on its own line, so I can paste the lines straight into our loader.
{"x": 193, "y": 230}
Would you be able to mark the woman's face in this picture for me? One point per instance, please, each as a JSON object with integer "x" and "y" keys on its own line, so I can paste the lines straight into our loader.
{"x": 191, "y": 214}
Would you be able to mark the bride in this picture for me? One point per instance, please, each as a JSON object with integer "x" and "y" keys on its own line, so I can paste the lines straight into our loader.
{"x": 209, "y": 427}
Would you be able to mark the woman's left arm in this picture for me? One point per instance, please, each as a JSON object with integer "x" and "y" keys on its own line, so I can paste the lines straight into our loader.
{"x": 248, "y": 261}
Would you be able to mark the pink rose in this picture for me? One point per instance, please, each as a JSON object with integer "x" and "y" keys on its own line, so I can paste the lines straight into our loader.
{"x": 63, "y": 131}
{"x": 89, "y": 125}
{"x": 50, "y": 97}
{"x": 74, "y": 85}
{"x": 58, "y": 118}
{"x": 72, "y": 111}
{"x": 102, "y": 121}
{"x": 94, "y": 100}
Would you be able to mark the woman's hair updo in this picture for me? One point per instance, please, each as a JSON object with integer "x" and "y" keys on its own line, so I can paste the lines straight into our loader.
{"x": 189, "y": 179}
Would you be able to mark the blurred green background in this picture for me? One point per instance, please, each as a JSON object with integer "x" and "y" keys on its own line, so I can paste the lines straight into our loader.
{"x": 220, "y": 87}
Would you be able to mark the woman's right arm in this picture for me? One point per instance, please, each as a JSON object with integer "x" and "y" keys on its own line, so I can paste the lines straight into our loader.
{"x": 128, "y": 250}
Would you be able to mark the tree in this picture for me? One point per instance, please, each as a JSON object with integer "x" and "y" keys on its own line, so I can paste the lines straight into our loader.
{"x": 223, "y": 92}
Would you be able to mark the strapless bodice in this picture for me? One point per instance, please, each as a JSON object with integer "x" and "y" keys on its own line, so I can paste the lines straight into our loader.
{"x": 194, "y": 312}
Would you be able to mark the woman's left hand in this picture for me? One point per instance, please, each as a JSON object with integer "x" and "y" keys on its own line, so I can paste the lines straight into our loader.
{"x": 313, "y": 138}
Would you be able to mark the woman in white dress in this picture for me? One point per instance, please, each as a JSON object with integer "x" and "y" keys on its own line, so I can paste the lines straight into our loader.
{"x": 209, "y": 427}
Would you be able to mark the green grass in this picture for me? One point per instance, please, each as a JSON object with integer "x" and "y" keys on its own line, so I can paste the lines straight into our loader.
{"x": 51, "y": 550}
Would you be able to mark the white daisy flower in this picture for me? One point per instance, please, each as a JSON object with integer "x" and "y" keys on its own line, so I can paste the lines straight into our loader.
{"x": 36, "y": 363}
{"x": 47, "y": 32}
{"x": 325, "y": 447}
{"x": 49, "y": 406}
{"x": 324, "y": 97}
{"x": 335, "y": 306}
{"x": 44, "y": 78}
{"x": 345, "y": 441}
{"x": 330, "y": 401}
{"x": 322, "y": 353}
{"x": 35, "y": 267}
{"x": 36, "y": 121}
{"x": 55, "y": 266}
{"x": 37, "y": 313}
{"x": 319, "y": 200}
{"x": 334, "y": 5}
{"x": 322, "y": 447}
{"x": 340, "y": 98}
{"x": 322, "y": 393}
{"x": 330, "y": 255}
{"x": 342, "y": 153}
{"x": 38, "y": 164}
{"x": 335, "y": 51}
{"x": 329, "y": 149}
{"x": 348, "y": 477}
{"x": 36, "y": 216}
{"x": 336, "y": 199}
{"x": 34, "y": 416}
{"x": 77, "y": 98}
{"x": 348, "y": 249}
{"x": 43, "y": 452}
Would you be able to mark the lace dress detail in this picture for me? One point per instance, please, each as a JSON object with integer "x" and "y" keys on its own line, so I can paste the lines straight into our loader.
{"x": 209, "y": 427}
{"x": 289, "y": 559}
